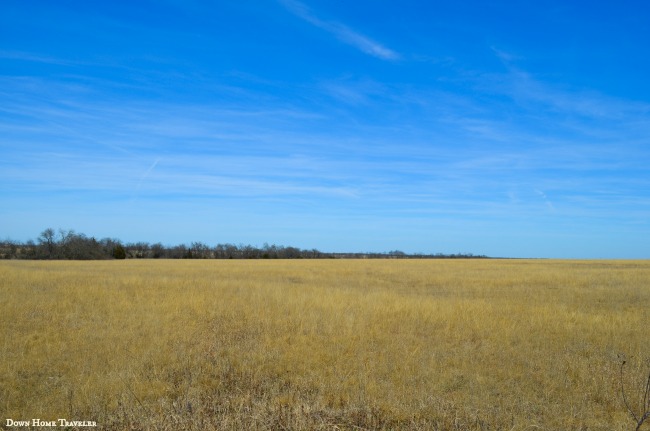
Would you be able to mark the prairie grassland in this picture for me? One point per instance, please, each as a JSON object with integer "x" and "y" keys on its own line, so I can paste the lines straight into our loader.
{"x": 324, "y": 344}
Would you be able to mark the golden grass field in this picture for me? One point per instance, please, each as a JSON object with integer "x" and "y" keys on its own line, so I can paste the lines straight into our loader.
{"x": 324, "y": 344}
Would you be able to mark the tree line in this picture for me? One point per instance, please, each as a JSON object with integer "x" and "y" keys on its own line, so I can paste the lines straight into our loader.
{"x": 65, "y": 244}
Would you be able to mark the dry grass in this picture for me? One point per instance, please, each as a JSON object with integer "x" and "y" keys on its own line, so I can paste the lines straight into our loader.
{"x": 328, "y": 344}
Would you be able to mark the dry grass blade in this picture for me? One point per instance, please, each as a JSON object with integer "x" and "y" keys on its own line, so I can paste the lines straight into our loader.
{"x": 323, "y": 344}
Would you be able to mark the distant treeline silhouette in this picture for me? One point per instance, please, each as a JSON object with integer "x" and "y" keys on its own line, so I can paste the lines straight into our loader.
{"x": 64, "y": 244}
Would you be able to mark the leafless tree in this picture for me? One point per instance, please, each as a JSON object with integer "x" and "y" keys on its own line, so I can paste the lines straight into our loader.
{"x": 47, "y": 240}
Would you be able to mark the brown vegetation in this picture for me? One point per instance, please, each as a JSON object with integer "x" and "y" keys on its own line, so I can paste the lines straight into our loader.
{"x": 324, "y": 344}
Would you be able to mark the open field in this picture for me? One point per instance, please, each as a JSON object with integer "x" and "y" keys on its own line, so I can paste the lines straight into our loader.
{"x": 324, "y": 344}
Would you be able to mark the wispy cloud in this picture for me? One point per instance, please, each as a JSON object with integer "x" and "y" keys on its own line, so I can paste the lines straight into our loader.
{"x": 145, "y": 175}
{"x": 585, "y": 104}
{"x": 548, "y": 203}
{"x": 341, "y": 31}
{"x": 29, "y": 57}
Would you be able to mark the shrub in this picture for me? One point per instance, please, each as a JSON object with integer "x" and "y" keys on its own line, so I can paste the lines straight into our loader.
{"x": 119, "y": 252}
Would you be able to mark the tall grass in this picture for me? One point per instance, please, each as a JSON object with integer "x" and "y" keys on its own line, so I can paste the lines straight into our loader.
{"x": 328, "y": 344}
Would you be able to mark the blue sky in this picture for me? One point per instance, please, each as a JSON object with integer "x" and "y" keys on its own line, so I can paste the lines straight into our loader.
{"x": 504, "y": 128}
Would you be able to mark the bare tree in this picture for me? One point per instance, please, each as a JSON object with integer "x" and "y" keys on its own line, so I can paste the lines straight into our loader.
{"x": 47, "y": 240}
{"x": 157, "y": 250}
{"x": 199, "y": 250}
